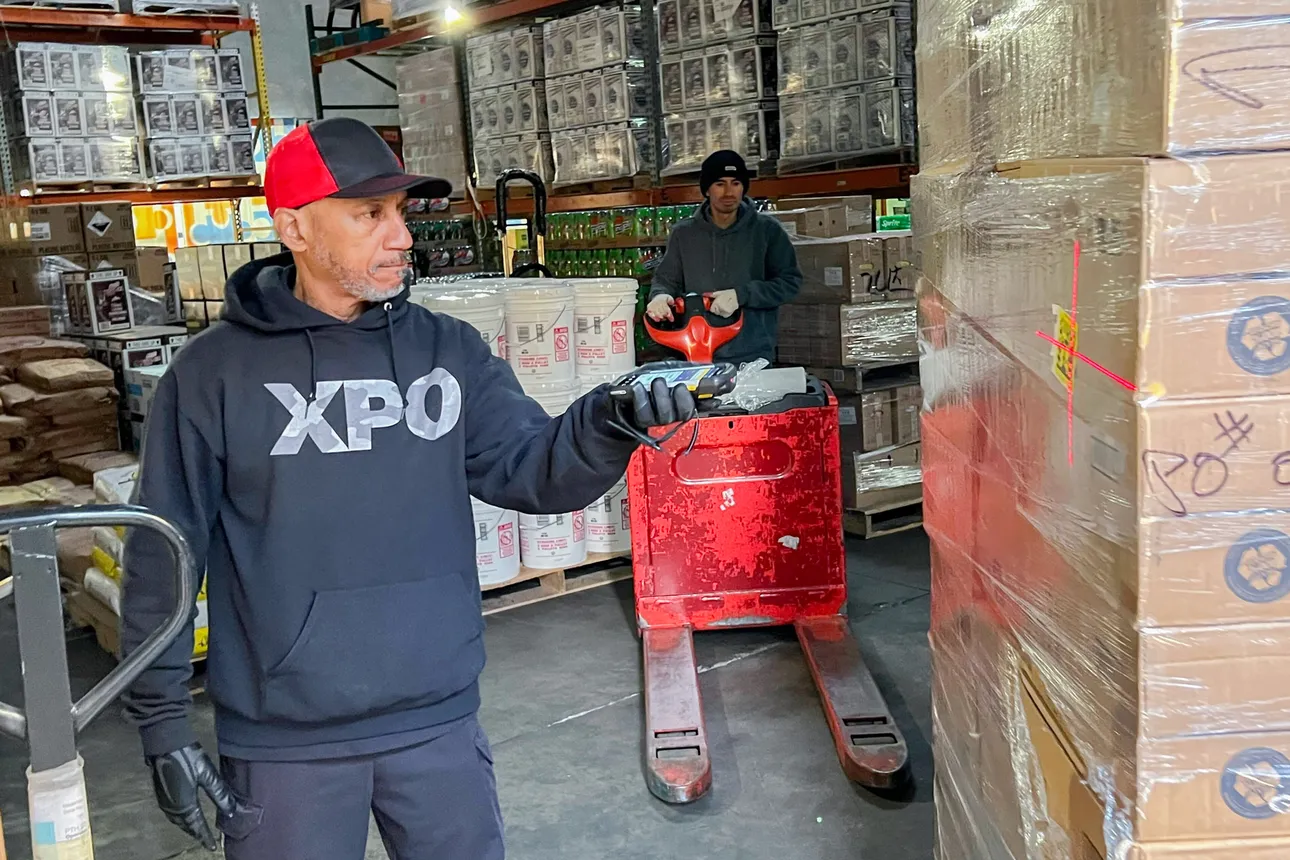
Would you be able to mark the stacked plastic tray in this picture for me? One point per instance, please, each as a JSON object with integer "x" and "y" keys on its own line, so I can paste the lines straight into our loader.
{"x": 718, "y": 73}
{"x": 845, "y": 78}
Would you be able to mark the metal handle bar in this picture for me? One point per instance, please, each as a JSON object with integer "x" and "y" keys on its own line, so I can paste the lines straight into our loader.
{"x": 13, "y": 721}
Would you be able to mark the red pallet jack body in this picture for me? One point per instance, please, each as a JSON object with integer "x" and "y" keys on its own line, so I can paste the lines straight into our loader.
{"x": 738, "y": 523}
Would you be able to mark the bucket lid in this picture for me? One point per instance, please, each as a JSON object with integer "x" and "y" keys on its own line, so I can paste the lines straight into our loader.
{"x": 519, "y": 289}
{"x": 604, "y": 286}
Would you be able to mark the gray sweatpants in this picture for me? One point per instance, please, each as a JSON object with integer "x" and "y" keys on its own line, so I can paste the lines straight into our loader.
{"x": 435, "y": 801}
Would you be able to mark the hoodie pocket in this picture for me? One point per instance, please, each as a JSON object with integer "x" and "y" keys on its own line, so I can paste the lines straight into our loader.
{"x": 369, "y": 651}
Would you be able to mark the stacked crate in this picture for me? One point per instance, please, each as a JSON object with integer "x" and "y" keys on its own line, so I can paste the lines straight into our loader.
{"x": 845, "y": 79}
{"x": 598, "y": 94}
{"x": 508, "y": 103}
{"x": 70, "y": 114}
{"x": 195, "y": 113}
{"x": 718, "y": 70}
{"x": 1106, "y": 447}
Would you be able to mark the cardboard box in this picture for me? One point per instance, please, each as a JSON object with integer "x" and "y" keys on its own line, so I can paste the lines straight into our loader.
{"x": 865, "y": 422}
{"x": 1140, "y": 224}
{"x": 188, "y": 272}
{"x": 858, "y": 210}
{"x": 841, "y": 270}
{"x": 24, "y": 320}
{"x": 908, "y": 403}
{"x": 1226, "y": 849}
{"x": 1193, "y": 77}
{"x": 141, "y": 386}
{"x": 1212, "y": 456}
{"x": 108, "y": 226}
{"x": 41, "y": 231}
{"x": 210, "y": 262}
{"x": 1213, "y": 787}
{"x": 235, "y": 257}
{"x": 1226, "y": 569}
{"x": 889, "y": 475}
{"x": 126, "y": 261}
{"x": 848, "y": 335}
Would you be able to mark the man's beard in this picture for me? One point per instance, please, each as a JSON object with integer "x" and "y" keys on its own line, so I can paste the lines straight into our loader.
{"x": 359, "y": 284}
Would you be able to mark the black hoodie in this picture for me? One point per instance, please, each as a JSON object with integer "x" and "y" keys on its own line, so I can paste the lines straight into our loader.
{"x": 323, "y": 471}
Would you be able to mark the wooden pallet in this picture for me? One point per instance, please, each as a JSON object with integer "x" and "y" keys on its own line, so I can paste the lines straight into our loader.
{"x": 534, "y": 586}
{"x": 806, "y": 164}
{"x": 885, "y": 512}
{"x": 209, "y": 182}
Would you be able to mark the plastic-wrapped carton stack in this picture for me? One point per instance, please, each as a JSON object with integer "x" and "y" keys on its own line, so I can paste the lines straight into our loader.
{"x": 195, "y": 113}
{"x": 718, "y": 73}
{"x": 70, "y": 113}
{"x": 845, "y": 78}
{"x": 598, "y": 94}
{"x": 855, "y": 312}
{"x": 1106, "y": 446}
{"x": 508, "y": 103}
{"x": 431, "y": 116}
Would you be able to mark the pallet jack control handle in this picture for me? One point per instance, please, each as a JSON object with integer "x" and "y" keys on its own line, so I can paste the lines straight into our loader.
{"x": 695, "y": 331}
{"x": 22, "y": 528}
{"x": 537, "y": 224}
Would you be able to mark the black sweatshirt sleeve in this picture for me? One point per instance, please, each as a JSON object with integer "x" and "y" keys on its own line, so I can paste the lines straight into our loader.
{"x": 669, "y": 276}
{"x": 519, "y": 458}
{"x": 180, "y": 479}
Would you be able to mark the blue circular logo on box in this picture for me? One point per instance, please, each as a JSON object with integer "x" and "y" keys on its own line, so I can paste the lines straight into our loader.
{"x": 1258, "y": 337}
{"x": 1256, "y": 784}
{"x": 1257, "y": 566}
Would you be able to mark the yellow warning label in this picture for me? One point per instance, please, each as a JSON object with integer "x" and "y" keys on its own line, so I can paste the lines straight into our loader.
{"x": 1066, "y": 334}
{"x": 201, "y": 642}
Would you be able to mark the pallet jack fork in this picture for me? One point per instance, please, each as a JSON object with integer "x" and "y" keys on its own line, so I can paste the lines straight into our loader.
{"x": 51, "y": 720}
{"x": 739, "y": 524}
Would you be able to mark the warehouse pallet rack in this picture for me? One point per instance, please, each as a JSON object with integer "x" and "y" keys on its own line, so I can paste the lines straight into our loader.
{"x": 81, "y": 26}
{"x": 880, "y": 180}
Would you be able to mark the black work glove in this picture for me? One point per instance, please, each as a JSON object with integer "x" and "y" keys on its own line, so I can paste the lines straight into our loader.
{"x": 657, "y": 406}
{"x": 178, "y": 778}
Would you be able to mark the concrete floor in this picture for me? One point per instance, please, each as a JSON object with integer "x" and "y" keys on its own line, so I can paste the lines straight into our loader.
{"x": 563, "y": 708}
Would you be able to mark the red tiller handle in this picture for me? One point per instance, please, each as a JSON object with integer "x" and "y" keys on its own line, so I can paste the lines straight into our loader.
{"x": 694, "y": 337}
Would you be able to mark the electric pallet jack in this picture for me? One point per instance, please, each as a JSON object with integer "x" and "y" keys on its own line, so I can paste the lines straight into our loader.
{"x": 737, "y": 522}
{"x": 59, "y": 814}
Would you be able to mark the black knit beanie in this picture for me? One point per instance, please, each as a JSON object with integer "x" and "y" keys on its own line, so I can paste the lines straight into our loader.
{"x": 723, "y": 164}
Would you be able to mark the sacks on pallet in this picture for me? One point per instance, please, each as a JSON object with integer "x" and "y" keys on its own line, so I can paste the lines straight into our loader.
{"x": 115, "y": 486}
{"x": 57, "y": 408}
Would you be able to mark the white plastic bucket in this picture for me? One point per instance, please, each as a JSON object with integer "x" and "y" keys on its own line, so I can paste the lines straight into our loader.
{"x": 604, "y": 316}
{"x": 484, "y": 307}
{"x": 497, "y": 551}
{"x": 539, "y": 328}
{"x": 554, "y": 397}
{"x": 60, "y": 815}
{"x": 553, "y": 540}
{"x": 609, "y": 526}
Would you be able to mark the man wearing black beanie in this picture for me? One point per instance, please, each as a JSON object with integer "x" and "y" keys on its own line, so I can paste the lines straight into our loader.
{"x": 731, "y": 250}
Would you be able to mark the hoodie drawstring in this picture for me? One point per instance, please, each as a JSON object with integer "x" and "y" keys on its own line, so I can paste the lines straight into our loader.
{"x": 394, "y": 357}
{"x": 389, "y": 333}
{"x": 313, "y": 365}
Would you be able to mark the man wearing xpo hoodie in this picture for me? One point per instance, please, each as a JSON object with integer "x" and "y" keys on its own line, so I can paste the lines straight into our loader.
{"x": 319, "y": 449}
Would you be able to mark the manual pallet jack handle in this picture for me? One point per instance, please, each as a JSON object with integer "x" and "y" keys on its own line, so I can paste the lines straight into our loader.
{"x": 537, "y": 224}
{"x": 695, "y": 332}
{"x": 51, "y": 720}
{"x": 31, "y": 534}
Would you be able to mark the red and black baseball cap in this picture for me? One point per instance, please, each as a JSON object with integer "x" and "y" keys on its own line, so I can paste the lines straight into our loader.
{"x": 338, "y": 157}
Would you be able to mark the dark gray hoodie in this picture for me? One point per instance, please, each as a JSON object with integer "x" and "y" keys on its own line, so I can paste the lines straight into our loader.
{"x": 323, "y": 471}
{"x": 753, "y": 257}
